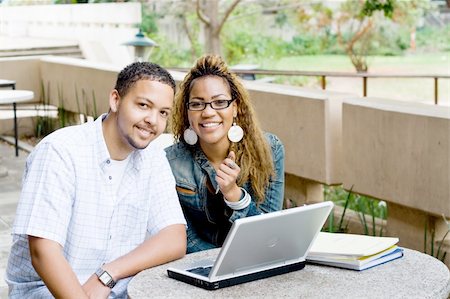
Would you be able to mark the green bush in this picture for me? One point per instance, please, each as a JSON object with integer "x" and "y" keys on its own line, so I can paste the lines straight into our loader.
{"x": 169, "y": 54}
{"x": 368, "y": 209}
{"x": 360, "y": 203}
{"x": 433, "y": 39}
{"x": 305, "y": 44}
{"x": 247, "y": 47}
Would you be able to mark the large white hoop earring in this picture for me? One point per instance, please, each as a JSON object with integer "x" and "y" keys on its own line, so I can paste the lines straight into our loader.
{"x": 190, "y": 136}
{"x": 235, "y": 133}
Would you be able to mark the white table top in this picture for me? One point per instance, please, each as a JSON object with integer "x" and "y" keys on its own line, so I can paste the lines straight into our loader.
{"x": 416, "y": 275}
{"x": 4, "y": 82}
{"x": 15, "y": 96}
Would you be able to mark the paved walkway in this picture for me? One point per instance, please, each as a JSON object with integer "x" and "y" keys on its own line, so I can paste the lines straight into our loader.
{"x": 10, "y": 186}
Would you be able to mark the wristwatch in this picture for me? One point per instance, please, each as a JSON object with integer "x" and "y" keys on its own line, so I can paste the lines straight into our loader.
{"x": 105, "y": 278}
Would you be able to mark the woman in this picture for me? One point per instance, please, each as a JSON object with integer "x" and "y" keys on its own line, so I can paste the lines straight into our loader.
{"x": 225, "y": 167}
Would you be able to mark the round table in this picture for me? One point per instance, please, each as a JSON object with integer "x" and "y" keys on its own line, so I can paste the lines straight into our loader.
{"x": 13, "y": 97}
{"x": 415, "y": 275}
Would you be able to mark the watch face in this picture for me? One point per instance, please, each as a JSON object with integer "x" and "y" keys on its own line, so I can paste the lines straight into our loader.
{"x": 105, "y": 278}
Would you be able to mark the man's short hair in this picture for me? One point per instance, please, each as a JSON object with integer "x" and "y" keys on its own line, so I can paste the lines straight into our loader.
{"x": 142, "y": 71}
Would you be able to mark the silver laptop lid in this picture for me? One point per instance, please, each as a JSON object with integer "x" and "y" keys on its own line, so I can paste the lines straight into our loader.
{"x": 270, "y": 240}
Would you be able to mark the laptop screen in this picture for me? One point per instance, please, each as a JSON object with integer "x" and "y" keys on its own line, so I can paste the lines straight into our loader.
{"x": 265, "y": 241}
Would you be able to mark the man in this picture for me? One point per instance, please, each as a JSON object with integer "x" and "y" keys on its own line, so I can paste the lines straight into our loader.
{"x": 98, "y": 202}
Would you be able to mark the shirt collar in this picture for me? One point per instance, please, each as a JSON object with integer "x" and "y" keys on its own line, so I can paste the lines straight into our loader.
{"x": 200, "y": 157}
{"x": 202, "y": 160}
{"x": 102, "y": 152}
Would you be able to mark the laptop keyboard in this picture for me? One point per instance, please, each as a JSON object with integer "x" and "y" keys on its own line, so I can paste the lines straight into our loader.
{"x": 203, "y": 271}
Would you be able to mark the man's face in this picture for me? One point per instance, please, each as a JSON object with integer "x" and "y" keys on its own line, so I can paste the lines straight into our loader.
{"x": 142, "y": 113}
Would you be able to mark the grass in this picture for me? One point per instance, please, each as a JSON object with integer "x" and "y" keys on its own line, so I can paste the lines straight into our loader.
{"x": 416, "y": 63}
{"x": 403, "y": 89}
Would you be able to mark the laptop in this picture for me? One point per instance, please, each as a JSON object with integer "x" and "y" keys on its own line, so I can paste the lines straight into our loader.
{"x": 258, "y": 247}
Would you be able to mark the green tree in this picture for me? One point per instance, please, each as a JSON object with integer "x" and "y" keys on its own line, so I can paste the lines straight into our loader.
{"x": 355, "y": 26}
{"x": 208, "y": 13}
{"x": 149, "y": 18}
{"x": 408, "y": 13}
{"x": 360, "y": 21}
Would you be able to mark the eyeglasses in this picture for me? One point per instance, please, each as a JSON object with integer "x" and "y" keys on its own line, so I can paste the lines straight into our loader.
{"x": 216, "y": 105}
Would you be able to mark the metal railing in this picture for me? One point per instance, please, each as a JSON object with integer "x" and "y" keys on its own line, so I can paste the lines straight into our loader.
{"x": 323, "y": 76}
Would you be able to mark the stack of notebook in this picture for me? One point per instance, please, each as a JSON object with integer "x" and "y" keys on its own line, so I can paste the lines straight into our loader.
{"x": 356, "y": 252}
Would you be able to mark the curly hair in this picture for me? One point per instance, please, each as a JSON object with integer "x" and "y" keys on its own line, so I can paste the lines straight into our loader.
{"x": 142, "y": 70}
{"x": 253, "y": 153}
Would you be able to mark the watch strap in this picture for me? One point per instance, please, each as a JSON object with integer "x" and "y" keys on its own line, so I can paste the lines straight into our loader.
{"x": 110, "y": 283}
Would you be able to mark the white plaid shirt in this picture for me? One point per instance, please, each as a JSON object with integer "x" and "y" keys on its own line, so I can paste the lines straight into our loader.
{"x": 66, "y": 197}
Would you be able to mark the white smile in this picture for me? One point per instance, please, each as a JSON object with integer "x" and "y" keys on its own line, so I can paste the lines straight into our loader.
{"x": 210, "y": 125}
{"x": 145, "y": 132}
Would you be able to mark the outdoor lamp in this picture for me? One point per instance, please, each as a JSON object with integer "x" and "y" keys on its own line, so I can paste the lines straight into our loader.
{"x": 142, "y": 46}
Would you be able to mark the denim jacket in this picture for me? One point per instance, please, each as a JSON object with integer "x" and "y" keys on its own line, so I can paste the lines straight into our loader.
{"x": 192, "y": 170}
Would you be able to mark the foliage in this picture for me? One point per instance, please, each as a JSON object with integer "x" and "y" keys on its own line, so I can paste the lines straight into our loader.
{"x": 314, "y": 26}
{"x": 358, "y": 28}
{"x": 214, "y": 14}
{"x": 47, "y": 123}
{"x": 433, "y": 39}
{"x": 72, "y": 1}
{"x": 408, "y": 13}
{"x": 191, "y": 26}
{"x": 355, "y": 26}
{"x": 365, "y": 206}
{"x": 442, "y": 258}
{"x": 297, "y": 81}
{"x": 244, "y": 46}
{"x": 169, "y": 54}
{"x": 331, "y": 227}
{"x": 44, "y": 124}
{"x": 372, "y": 6}
{"x": 62, "y": 112}
{"x": 149, "y": 20}
{"x": 306, "y": 44}
{"x": 438, "y": 254}
{"x": 247, "y": 38}
{"x": 90, "y": 107}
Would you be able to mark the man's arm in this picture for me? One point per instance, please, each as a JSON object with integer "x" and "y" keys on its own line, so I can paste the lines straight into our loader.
{"x": 49, "y": 262}
{"x": 167, "y": 245}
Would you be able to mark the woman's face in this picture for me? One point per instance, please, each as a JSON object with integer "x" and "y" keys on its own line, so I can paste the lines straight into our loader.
{"x": 211, "y": 125}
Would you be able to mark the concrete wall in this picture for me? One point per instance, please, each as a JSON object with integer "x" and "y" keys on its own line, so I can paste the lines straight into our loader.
{"x": 309, "y": 124}
{"x": 398, "y": 152}
{"x": 25, "y": 71}
{"x": 79, "y": 79}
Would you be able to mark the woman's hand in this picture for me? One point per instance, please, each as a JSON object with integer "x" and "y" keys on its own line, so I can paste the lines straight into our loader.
{"x": 227, "y": 175}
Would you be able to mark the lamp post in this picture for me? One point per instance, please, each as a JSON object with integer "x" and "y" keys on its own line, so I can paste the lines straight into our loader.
{"x": 142, "y": 46}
